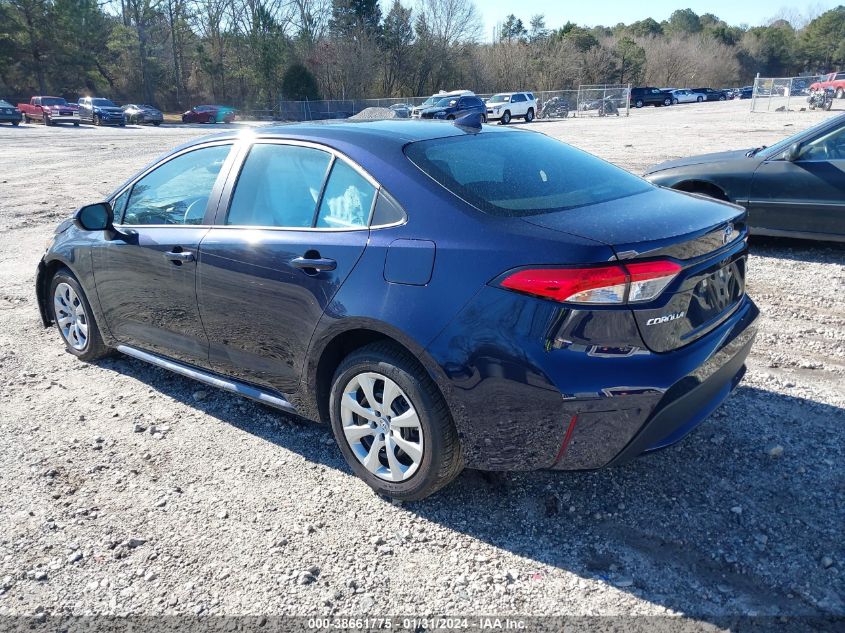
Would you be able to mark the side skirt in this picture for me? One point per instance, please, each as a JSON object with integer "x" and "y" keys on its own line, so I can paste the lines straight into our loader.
{"x": 227, "y": 384}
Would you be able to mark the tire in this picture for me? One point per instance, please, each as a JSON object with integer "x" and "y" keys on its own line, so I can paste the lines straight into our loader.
{"x": 828, "y": 105}
{"x": 638, "y": 103}
{"x": 47, "y": 121}
{"x": 722, "y": 97}
{"x": 667, "y": 101}
{"x": 484, "y": 118}
{"x": 700, "y": 99}
{"x": 451, "y": 117}
{"x": 675, "y": 101}
{"x": 67, "y": 294}
{"x": 385, "y": 365}
{"x": 16, "y": 123}
{"x": 156, "y": 123}
{"x": 529, "y": 116}
{"x": 26, "y": 119}
{"x": 840, "y": 93}
{"x": 96, "y": 119}
{"x": 76, "y": 124}
{"x": 506, "y": 117}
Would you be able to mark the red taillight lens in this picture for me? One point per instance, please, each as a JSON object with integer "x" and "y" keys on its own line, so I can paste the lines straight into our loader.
{"x": 611, "y": 284}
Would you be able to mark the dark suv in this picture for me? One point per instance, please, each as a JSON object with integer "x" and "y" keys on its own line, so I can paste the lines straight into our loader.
{"x": 711, "y": 94}
{"x": 650, "y": 96}
{"x": 452, "y": 107}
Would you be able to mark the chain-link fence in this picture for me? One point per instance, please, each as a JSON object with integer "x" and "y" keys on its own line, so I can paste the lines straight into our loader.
{"x": 604, "y": 100}
{"x": 600, "y": 100}
{"x": 784, "y": 94}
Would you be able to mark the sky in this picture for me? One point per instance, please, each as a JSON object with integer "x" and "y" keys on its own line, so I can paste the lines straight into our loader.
{"x": 610, "y": 12}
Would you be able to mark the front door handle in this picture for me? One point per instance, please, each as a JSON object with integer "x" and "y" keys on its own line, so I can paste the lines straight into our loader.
{"x": 179, "y": 256}
{"x": 315, "y": 263}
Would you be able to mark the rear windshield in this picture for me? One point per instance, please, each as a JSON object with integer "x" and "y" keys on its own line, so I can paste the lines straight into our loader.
{"x": 521, "y": 173}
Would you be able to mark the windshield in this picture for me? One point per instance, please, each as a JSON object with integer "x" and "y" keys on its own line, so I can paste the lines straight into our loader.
{"x": 499, "y": 99}
{"x": 514, "y": 174}
{"x": 782, "y": 145}
{"x": 51, "y": 101}
{"x": 103, "y": 102}
{"x": 5, "y": 104}
{"x": 445, "y": 103}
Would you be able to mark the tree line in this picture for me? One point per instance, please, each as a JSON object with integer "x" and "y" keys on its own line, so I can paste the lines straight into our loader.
{"x": 252, "y": 53}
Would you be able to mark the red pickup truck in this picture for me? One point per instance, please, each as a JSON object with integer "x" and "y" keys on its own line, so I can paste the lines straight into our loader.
{"x": 832, "y": 80}
{"x": 50, "y": 110}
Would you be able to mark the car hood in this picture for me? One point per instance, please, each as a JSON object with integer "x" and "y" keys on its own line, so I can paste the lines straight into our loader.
{"x": 112, "y": 109}
{"x": 702, "y": 159}
{"x": 643, "y": 223}
{"x": 434, "y": 110}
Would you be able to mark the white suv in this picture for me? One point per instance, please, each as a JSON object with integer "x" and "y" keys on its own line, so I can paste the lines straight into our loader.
{"x": 508, "y": 105}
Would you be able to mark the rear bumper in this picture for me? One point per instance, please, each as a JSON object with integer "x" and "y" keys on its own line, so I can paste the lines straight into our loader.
{"x": 572, "y": 390}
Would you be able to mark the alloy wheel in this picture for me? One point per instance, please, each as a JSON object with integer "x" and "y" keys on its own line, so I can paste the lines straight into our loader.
{"x": 381, "y": 426}
{"x": 71, "y": 316}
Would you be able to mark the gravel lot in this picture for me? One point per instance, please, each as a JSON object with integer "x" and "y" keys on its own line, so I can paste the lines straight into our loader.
{"x": 127, "y": 490}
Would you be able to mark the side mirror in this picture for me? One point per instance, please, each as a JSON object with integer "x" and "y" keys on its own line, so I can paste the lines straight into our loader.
{"x": 95, "y": 217}
{"x": 793, "y": 152}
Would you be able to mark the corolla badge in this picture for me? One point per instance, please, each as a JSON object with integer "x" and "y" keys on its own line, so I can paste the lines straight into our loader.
{"x": 729, "y": 231}
{"x": 665, "y": 318}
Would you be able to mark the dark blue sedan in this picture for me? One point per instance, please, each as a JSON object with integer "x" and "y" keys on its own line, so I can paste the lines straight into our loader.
{"x": 445, "y": 295}
{"x": 451, "y": 108}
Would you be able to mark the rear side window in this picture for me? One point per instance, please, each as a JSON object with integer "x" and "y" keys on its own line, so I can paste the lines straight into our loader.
{"x": 279, "y": 186}
{"x": 347, "y": 200}
{"x": 521, "y": 173}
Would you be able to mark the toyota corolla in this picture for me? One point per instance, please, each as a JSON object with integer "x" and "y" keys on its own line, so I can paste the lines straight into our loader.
{"x": 445, "y": 295}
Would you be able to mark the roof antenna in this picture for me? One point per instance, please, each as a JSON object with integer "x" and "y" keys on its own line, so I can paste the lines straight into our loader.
{"x": 469, "y": 122}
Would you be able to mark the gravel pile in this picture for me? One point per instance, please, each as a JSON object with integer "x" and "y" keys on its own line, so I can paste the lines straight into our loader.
{"x": 128, "y": 490}
{"x": 374, "y": 114}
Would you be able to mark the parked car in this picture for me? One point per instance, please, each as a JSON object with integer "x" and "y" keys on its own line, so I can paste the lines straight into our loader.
{"x": 135, "y": 113}
{"x": 831, "y": 80}
{"x": 49, "y": 110}
{"x": 461, "y": 303}
{"x": 505, "y": 106}
{"x": 711, "y": 94}
{"x": 453, "y": 107}
{"x": 684, "y": 95}
{"x": 795, "y": 188}
{"x": 9, "y": 113}
{"x": 402, "y": 110}
{"x": 100, "y": 111}
{"x": 745, "y": 92}
{"x": 650, "y": 96}
{"x": 416, "y": 113}
{"x": 210, "y": 114}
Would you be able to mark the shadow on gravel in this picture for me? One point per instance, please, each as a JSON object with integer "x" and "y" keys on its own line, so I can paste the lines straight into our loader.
{"x": 798, "y": 250}
{"x": 739, "y": 518}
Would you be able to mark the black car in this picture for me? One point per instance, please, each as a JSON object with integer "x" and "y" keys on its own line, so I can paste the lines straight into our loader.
{"x": 711, "y": 94}
{"x": 443, "y": 295}
{"x": 9, "y": 113}
{"x": 795, "y": 188}
{"x": 453, "y": 107}
{"x": 650, "y": 96}
{"x": 745, "y": 92}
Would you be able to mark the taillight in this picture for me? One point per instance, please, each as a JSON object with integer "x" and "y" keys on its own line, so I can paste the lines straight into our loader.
{"x": 631, "y": 282}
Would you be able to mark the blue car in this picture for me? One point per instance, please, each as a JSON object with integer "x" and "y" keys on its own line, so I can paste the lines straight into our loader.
{"x": 445, "y": 295}
{"x": 454, "y": 107}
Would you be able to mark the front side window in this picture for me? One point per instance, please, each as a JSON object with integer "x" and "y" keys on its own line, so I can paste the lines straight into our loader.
{"x": 521, "y": 174}
{"x": 177, "y": 192}
{"x": 347, "y": 200}
{"x": 830, "y": 146}
{"x": 279, "y": 186}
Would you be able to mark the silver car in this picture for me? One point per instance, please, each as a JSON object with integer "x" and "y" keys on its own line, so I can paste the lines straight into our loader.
{"x": 142, "y": 113}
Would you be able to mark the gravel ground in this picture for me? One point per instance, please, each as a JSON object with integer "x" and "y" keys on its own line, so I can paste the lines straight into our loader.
{"x": 127, "y": 490}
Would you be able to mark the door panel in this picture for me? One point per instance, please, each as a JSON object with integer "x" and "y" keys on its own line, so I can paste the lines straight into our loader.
{"x": 801, "y": 196}
{"x": 259, "y": 306}
{"x": 149, "y": 297}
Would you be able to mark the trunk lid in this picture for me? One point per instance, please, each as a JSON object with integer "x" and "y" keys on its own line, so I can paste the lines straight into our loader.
{"x": 707, "y": 238}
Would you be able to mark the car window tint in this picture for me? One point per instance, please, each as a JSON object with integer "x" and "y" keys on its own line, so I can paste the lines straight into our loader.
{"x": 119, "y": 205}
{"x": 831, "y": 146}
{"x": 521, "y": 174}
{"x": 279, "y": 186}
{"x": 178, "y": 191}
{"x": 387, "y": 210}
{"x": 347, "y": 200}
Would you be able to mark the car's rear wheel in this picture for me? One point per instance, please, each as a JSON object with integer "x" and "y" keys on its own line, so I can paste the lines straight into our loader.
{"x": 506, "y": 117}
{"x": 638, "y": 103}
{"x": 16, "y": 123}
{"x": 840, "y": 93}
{"x": 675, "y": 101}
{"x": 74, "y": 318}
{"x": 529, "y": 116}
{"x": 392, "y": 423}
{"x": 700, "y": 99}
{"x": 667, "y": 101}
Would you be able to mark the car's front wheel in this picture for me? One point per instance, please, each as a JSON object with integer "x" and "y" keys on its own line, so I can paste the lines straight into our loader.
{"x": 392, "y": 423}
{"x": 638, "y": 103}
{"x": 506, "y": 117}
{"x": 74, "y": 318}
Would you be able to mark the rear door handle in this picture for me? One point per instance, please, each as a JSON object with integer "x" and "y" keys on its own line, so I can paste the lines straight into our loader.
{"x": 316, "y": 263}
{"x": 179, "y": 256}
